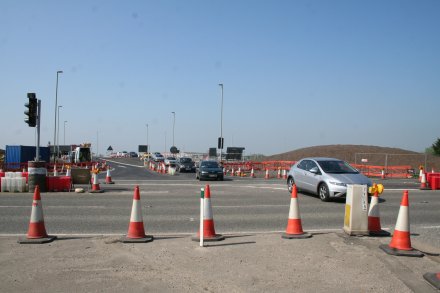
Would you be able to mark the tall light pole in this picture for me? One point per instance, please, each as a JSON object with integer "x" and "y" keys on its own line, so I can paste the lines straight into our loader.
{"x": 148, "y": 147}
{"x": 174, "y": 123}
{"x": 58, "y": 132}
{"x": 55, "y": 122}
{"x": 221, "y": 125}
{"x": 65, "y": 121}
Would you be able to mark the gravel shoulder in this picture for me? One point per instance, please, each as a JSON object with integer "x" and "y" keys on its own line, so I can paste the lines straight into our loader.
{"x": 242, "y": 263}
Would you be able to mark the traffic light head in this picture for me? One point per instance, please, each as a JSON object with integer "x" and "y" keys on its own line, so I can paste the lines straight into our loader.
{"x": 32, "y": 109}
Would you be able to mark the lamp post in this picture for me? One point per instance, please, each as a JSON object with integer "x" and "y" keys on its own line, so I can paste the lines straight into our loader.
{"x": 221, "y": 124}
{"x": 58, "y": 132}
{"x": 148, "y": 147}
{"x": 64, "y": 132}
{"x": 55, "y": 122}
{"x": 174, "y": 123}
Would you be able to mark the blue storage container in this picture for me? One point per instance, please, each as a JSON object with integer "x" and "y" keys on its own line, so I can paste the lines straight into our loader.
{"x": 17, "y": 154}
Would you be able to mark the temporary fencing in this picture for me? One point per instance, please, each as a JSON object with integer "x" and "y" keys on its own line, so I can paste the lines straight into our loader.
{"x": 385, "y": 172}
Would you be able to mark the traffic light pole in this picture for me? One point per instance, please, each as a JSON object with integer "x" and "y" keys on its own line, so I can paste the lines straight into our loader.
{"x": 38, "y": 132}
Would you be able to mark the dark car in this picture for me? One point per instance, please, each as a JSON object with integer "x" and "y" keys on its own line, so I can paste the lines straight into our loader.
{"x": 209, "y": 170}
{"x": 133, "y": 155}
{"x": 185, "y": 165}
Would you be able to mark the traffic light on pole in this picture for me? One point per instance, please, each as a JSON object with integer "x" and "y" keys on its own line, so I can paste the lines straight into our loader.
{"x": 32, "y": 110}
{"x": 220, "y": 142}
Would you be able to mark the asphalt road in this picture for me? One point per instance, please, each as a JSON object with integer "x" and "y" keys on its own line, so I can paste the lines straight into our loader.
{"x": 171, "y": 206}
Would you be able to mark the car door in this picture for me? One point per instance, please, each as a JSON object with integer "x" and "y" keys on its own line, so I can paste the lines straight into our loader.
{"x": 299, "y": 174}
{"x": 311, "y": 180}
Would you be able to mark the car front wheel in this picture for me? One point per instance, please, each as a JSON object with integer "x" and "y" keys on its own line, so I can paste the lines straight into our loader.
{"x": 290, "y": 183}
{"x": 324, "y": 193}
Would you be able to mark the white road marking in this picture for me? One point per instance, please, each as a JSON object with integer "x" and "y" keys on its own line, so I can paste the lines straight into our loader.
{"x": 61, "y": 207}
{"x": 131, "y": 165}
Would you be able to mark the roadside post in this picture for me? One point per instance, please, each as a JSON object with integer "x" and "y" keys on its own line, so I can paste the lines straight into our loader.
{"x": 202, "y": 213}
{"x": 356, "y": 210}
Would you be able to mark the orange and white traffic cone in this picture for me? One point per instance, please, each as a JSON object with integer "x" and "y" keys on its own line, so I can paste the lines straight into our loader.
{"x": 294, "y": 226}
{"x": 108, "y": 177}
{"x": 284, "y": 174}
{"x": 136, "y": 230}
{"x": 267, "y": 174}
{"x": 37, "y": 231}
{"x": 382, "y": 176}
{"x": 252, "y": 173}
{"x": 68, "y": 172}
{"x": 401, "y": 242}
{"x": 95, "y": 185}
{"x": 374, "y": 226}
{"x": 279, "y": 173}
{"x": 423, "y": 185}
{"x": 208, "y": 221}
{"x": 420, "y": 175}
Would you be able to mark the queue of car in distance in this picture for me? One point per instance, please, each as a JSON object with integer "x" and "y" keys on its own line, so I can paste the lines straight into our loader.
{"x": 325, "y": 177}
{"x": 209, "y": 170}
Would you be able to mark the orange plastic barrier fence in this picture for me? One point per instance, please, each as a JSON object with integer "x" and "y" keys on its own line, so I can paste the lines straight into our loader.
{"x": 389, "y": 172}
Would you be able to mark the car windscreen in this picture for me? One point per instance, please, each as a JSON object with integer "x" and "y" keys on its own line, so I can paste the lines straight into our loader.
{"x": 209, "y": 164}
{"x": 185, "y": 160}
{"x": 337, "y": 167}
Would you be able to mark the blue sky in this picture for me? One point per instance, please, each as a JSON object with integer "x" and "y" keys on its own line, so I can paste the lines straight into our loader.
{"x": 295, "y": 73}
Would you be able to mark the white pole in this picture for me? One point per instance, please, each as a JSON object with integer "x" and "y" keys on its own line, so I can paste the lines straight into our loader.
{"x": 202, "y": 214}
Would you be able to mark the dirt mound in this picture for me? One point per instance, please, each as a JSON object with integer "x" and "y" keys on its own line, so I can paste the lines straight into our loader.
{"x": 355, "y": 154}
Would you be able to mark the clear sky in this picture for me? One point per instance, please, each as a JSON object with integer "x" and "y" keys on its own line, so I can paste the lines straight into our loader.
{"x": 295, "y": 73}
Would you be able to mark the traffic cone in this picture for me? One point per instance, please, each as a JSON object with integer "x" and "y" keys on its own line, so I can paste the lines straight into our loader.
{"x": 232, "y": 172}
{"x": 208, "y": 221}
{"x": 252, "y": 173}
{"x": 68, "y": 172}
{"x": 423, "y": 185}
{"x": 267, "y": 174}
{"x": 95, "y": 185}
{"x": 420, "y": 175}
{"x": 294, "y": 227}
{"x": 374, "y": 217}
{"x": 401, "y": 243}
{"x": 37, "y": 231}
{"x": 284, "y": 174}
{"x": 279, "y": 173}
{"x": 108, "y": 177}
{"x": 136, "y": 231}
{"x": 382, "y": 176}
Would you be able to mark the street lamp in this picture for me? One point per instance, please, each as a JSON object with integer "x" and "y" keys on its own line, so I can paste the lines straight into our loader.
{"x": 64, "y": 132}
{"x": 58, "y": 132}
{"x": 148, "y": 147}
{"x": 55, "y": 122}
{"x": 174, "y": 123}
{"x": 221, "y": 125}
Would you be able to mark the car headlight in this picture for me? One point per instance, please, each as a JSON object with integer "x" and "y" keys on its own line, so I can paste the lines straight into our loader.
{"x": 338, "y": 183}
{"x": 204, "y": 172}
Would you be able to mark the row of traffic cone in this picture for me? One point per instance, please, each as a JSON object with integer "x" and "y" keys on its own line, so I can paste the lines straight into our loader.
{"x": 400, "y": 243}
{"x": 280, "y": 174}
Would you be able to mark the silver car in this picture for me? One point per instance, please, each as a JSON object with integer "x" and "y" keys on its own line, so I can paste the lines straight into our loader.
{"x": 326, "y": 177}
